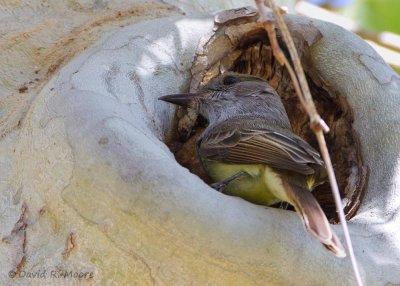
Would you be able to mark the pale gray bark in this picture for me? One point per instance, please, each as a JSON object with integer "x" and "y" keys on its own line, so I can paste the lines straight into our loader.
{"x": 102, "y": 192}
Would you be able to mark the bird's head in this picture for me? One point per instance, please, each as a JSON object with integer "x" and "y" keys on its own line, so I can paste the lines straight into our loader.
{"x": 223, "y": 93}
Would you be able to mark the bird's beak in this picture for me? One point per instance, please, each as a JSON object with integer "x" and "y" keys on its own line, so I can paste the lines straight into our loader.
{"x": 184, "y": 99}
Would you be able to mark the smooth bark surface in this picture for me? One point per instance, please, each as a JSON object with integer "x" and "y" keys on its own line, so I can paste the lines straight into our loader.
{"x": 87, "y": 184}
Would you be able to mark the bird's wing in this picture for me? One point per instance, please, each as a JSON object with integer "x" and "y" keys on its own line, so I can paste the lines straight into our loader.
{"x": 277, "y": 149}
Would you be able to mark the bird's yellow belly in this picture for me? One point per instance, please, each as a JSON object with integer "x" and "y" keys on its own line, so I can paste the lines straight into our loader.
{"x": 251, "y": 187}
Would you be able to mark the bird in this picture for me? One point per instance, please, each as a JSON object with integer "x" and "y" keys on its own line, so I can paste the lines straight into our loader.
{"x": 250, "y": 151}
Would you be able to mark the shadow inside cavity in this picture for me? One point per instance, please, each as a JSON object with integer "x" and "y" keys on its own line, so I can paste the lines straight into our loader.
{"x": 256, "y": 58}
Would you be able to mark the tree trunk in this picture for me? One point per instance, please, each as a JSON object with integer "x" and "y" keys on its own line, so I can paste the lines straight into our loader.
{"x": 89, "y": 190}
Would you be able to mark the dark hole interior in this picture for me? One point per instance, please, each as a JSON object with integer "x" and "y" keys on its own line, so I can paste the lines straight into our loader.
{"x": 257, "y": 59}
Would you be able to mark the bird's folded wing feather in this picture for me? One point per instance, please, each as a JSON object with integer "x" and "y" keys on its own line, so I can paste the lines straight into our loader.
{"x": 281, "y": 150}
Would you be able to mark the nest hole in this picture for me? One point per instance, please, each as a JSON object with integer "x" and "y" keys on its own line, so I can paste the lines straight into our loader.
{"x": 253, "y": 55}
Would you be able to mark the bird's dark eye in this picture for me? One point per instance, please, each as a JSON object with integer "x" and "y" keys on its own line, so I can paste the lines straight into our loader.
{"x": 229, "y": 80}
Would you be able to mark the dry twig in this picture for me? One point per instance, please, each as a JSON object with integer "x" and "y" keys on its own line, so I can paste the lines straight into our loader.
{"x": 317, "y": 124}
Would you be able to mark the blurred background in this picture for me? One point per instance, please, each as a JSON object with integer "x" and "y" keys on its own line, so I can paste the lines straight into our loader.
{"x": 377, "y": 21}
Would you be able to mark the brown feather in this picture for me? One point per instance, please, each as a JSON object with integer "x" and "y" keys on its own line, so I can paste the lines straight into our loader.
{"x": 314, "y": 218}
{"x": 280, "y": 150}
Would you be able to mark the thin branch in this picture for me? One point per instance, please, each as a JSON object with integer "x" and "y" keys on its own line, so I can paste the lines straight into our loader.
{"x": 303, "y": 92}
{"x": 280, "y": 56}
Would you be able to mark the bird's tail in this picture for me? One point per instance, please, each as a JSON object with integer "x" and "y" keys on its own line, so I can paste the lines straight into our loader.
{"x": 314, "y": 218}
